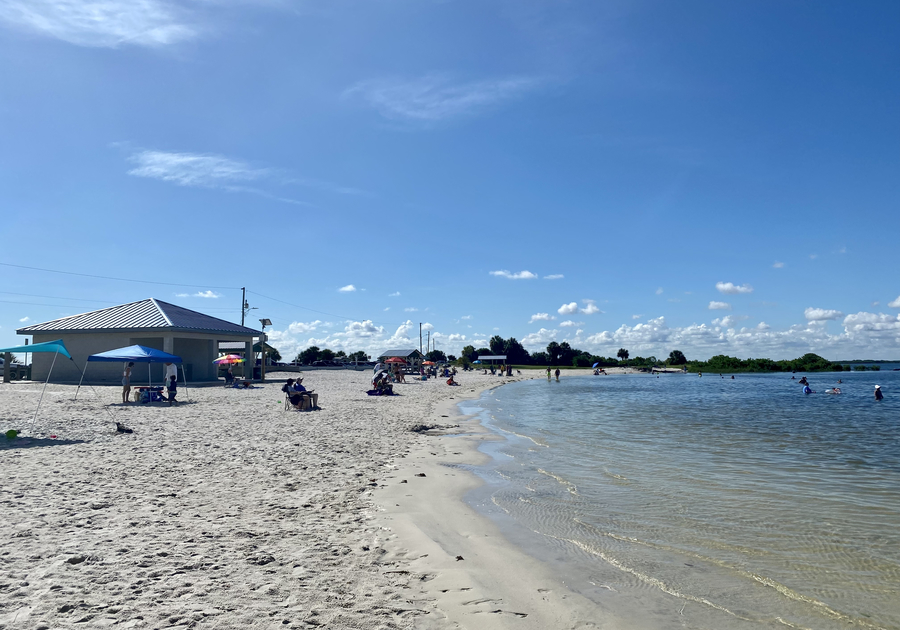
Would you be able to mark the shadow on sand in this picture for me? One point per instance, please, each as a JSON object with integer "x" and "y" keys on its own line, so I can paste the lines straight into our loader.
{"x": 31, "y": 442}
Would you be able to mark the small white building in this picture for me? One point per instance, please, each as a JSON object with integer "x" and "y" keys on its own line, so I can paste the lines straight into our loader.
{"x": 152, "y": 323}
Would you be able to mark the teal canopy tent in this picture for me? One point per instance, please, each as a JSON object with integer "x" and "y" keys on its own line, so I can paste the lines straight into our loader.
{"x": 57, "y": 347}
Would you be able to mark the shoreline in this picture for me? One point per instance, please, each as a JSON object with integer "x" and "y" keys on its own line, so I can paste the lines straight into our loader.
{"x": 496, "y": 584}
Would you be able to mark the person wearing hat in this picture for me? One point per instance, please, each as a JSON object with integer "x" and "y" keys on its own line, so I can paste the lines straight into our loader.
{"x": 878, "y": 394}
{"x": 314, "y": 398}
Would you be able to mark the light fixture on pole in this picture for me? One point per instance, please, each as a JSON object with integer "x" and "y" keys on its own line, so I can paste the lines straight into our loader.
{"x": 262, "y": 346}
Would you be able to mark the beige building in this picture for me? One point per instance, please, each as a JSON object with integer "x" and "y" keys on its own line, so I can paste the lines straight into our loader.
{"x": 152, "y": 323}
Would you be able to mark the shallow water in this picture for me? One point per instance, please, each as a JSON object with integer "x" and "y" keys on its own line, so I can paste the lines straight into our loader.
{"x": 710, "y": 502}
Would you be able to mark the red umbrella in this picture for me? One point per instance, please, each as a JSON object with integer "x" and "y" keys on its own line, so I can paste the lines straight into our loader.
{"x": 395, "y": 360}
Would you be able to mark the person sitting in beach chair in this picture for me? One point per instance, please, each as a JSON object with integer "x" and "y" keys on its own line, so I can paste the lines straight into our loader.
{"x": 311, "y": 399}
{"x": 229, "y": 377}
{"x": 290, "y": 396}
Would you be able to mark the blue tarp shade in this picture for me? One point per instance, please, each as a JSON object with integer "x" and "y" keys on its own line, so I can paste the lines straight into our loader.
{"x": 138, "y": 354}
{"x": 47, "y": 346}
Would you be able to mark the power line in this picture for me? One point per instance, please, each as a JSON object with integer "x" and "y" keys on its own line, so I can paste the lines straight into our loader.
{"x": 56, "y": 297}
{"x": 89, "y": 275}
{"x": 39, "y": 304}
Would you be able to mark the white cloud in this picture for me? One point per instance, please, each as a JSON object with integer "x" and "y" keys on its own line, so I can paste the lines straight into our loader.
{"x": 200, "y": 294}
{"x": 762, "y": 326}
{"x": 387, "y": 308}
{"x": 895, "y": 303}
{"x": 659, "y": 291}
{"x": 522, "y": 275}
{"x": 193, "y": 169}
{"x": 434, "y": 98}
{"x": 636, "y": 316}
{"x": 465, "y": 317}
{"x": 541, "y": 317}
{"x": 821, "y": 314}
{"x": 568, "y": 309}
{"x": 554, "y": 276}
{"x": 394, "y": 294}
{"x": 347, "y": 289}
{"x": 204, "y": 171}
{"x": 728, "y": 321}
{"x": 733, "y": 289}
{"x": 777, "y": 264}
{"x": 411, "y": 309}
{"x": 24, "y": 319}
{"x": 719, "y": 306}
{"x": 101, "y": 23}
{"x": 569, "y": 324}
{"x": 813, "y": 256}
{"x": 539, "y": 340}
{"x": 880, "y": 325}
{"x": 590, "y": 307}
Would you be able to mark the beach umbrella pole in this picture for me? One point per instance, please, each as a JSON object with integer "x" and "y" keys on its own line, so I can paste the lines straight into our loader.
{"x": 80, "y": 380}
{"x": 41, "y": 399}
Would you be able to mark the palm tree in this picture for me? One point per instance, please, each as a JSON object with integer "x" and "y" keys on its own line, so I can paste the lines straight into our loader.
{"x": 622, "y": 354}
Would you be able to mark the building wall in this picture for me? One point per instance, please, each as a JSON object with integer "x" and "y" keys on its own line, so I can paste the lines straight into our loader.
{"x": 197, "y": 351}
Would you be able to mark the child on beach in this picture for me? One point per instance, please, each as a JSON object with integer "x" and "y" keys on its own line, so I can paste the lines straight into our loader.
{"x": 172, "y": 388}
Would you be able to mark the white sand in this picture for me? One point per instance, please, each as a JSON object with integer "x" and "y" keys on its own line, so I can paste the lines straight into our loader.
{"x": 228, "y": 512}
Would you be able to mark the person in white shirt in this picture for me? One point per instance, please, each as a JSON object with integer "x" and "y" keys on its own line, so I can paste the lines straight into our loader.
{"x": 171, "y": 370}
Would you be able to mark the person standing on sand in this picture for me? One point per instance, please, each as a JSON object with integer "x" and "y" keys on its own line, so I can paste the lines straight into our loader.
{"x": 126, "y": 382}
{"x": 548, "y": 372}
{"x": 557, "y": 375}
{"x": 172, "y": 388}
{"x": 171, "y": 371}
{"x": 878, "y": 394}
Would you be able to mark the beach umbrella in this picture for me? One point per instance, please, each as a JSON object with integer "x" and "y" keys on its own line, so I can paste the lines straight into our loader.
{"x": 427, "y": 362}
{"x": 476, "y": 361}
{"x": 395, "y": 360}
{"x": 596, "y": 364}
{"x": 229, "y": 359}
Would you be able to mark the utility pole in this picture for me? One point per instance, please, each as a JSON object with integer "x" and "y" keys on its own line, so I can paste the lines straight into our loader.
{"x": 420, "y": 336}
{"x": 428, "y": 343}
{"x": 244, "y": 304}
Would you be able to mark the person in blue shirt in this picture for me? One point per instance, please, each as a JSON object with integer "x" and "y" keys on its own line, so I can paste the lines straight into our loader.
{"x": 314, "y": 398}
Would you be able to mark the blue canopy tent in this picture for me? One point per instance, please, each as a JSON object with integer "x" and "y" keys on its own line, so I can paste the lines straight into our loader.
{"x": 57, "y": 347}
{"x": 137, "y": 354}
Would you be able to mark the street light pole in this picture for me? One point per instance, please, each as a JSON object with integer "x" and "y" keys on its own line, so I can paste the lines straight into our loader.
{"x": 262, "y": 347}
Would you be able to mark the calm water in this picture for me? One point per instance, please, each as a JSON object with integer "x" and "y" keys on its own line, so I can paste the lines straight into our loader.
{"x": 710, "y": 503}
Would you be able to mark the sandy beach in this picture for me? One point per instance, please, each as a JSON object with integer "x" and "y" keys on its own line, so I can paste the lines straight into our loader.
{"x": 229, "y": 512}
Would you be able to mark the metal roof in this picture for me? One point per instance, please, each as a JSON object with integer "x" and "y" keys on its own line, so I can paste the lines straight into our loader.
{"x": 492, "y": 357}
{"x": 399, "y": 353}
{"x": 147, "y": 315}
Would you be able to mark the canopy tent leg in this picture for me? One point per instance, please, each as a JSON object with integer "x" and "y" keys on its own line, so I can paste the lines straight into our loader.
{"x": 81, "y": 380}
{"x": 41, "y": 399}
{"x": 185, "y": 383}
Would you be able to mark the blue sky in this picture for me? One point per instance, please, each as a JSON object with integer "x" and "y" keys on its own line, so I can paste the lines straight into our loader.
{"x": 716, "y": 177}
